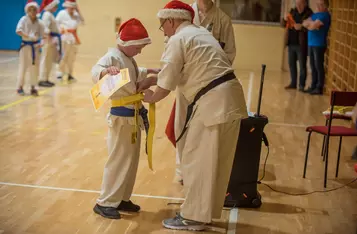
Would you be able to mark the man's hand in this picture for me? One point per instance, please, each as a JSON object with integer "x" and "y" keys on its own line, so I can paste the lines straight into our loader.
{"x": 158, "y": 95}
{"x": 153, "y": 70}
{"x": 298, "y": 27}
{"x": 112, "y": 70}
{"x": 148, "y": 95}
{"x": 146, "y": 83}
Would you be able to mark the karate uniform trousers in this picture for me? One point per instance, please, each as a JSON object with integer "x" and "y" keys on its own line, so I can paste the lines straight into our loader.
{"x": 123, "y": 160}
{"x": 69, "y": 57}
{"x": 49, "y": 56}
{"x": 207, "y": 157}
{"x": 25, "y": 64}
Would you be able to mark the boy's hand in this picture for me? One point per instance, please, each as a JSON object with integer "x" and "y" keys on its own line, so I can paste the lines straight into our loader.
{"x": 113, "y": 70}
{"x": 153, "y": 70}
{"x": 145, "y": 84}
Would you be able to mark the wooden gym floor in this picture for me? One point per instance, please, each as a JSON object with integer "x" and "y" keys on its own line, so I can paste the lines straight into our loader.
{"x": 53, "y": 149}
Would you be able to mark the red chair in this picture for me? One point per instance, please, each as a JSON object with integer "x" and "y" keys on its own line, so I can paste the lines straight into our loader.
{"x": 337, "y": 99}
{"x": 327, "y": 117}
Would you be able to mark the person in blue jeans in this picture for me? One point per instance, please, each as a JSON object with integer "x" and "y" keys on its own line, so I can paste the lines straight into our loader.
{"x": 318, "y": 25}
{"x": 297, "y": 43}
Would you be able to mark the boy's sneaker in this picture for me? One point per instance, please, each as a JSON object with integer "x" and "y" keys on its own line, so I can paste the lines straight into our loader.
{"x": 34, "y": 92}
{"x": 180, "y": 223}
{"x": 20, "y": 91}
{"x": 45, "y": 83}
{"x": 107, "y": 212}
{"x": 71, "y": 78}
{"x": 128, "y": 206}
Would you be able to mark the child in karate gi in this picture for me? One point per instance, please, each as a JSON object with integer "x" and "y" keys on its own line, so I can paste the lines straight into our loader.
{"x": 121, "y": 167}
{"x": 50, "y": 54}
{"x": 68, "y": 21}
{"x": 31, "y": 30}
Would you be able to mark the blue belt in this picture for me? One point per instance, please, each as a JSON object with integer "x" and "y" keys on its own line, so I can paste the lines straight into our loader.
{"x": 58, "y": 35}
{"x": 32, "y": 44}
{"x": 126, "y": 112}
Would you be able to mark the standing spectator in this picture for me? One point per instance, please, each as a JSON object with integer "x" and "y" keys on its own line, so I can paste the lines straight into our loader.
{"x": 297, "y": 43}
{"x": 318, "y": 25}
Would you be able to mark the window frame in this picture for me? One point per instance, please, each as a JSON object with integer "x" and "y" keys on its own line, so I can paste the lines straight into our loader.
{"x": 250, "y": 22}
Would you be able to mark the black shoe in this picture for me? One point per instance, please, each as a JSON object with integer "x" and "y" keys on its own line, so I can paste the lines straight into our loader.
{"x": 309, "y": 90}
{"x": 301, "y": 89}
{"x": 71, "y": 78}
{"x": 290, "y": 86}
{"x": 128, "y": 206}
{"x": 107, "y": 212}
{"x": 44, "y": 84}
{"x": 316, "y": 92}
{"x": 50, "y": 83}
{"x": 34, "y": 92}
{"x": 20, "y": 92}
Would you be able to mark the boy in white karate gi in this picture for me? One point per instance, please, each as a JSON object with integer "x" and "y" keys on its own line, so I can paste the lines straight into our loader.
{"x": 121, "y": 167}
{"x": 31, "y": 30}
{"x": 52, "y": 40}
{"x": 68, "y": 21}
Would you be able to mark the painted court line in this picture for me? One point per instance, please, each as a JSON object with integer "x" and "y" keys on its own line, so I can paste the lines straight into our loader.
{"x": 4, "y": 107}
{"x": 233, "y": 215}
{"x": 85, "y": 191}
{"x": 289, "y": 125}
{"x": 233, "y": 220}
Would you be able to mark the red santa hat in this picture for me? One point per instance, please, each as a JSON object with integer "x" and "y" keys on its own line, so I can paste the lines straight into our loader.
{"x": 177, "y": 10}
{"x": 132, "y": 32}
{"x": 48, "y": 4}
{"x": 70, "y": 3}
{"x": 31, "y": 3}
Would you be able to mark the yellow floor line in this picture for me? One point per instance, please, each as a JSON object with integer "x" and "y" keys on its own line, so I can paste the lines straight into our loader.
{"x": 4, "y": 107}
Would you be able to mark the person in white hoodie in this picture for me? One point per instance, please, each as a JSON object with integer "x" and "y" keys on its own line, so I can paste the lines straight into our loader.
{"x": 68, "y": 21}
{"x": 52, "y": 48}
{"x": 31, "y": 30}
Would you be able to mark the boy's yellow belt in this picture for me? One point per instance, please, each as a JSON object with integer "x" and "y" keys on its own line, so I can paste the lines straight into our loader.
{"x": 136, "y": 100}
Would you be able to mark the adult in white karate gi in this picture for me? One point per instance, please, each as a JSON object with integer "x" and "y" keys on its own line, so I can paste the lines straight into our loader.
{"x": 195, "y": 65}
{"x": 121, "y": 167}
{"x": 68, "y": 21}
{"x": 219, "y": 24}
{"x": 52, "y": 48}
{"x": 31, "y": 30}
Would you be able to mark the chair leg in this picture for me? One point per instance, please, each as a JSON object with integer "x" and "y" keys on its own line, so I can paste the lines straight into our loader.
{"x": 307, "y": 153}
{"x": 325, "y": 149}
{"x": 326, "y": 160}
{"x": 323, "y": 146}
{"x": 324, "y": 141}
{"x": 338, "y": 156}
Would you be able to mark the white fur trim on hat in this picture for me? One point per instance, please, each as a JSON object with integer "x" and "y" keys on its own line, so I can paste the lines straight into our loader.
{"x": 143, "y": 41}
{"x": 175, "y": 14}
{"x": 30, "y": 5}
{"x": 69, "y": 4}
{"x": 51, "y": 5}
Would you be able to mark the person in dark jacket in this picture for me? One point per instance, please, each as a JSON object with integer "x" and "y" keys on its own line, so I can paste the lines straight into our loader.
{"x": 297, "y": 42}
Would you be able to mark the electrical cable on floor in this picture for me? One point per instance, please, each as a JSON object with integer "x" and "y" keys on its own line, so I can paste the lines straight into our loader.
{"x": 294, "y": 194}
{"x": 278, "y": 191}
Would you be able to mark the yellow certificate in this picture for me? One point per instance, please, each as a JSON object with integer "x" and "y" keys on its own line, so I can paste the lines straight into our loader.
{"x": 107, "y": 86}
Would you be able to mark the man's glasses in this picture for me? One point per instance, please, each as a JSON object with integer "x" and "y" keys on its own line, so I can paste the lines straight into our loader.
{"x": 161, "y": 29}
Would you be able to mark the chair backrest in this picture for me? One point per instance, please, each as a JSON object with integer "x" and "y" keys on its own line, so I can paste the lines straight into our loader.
{"x": 339, "y": 98}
